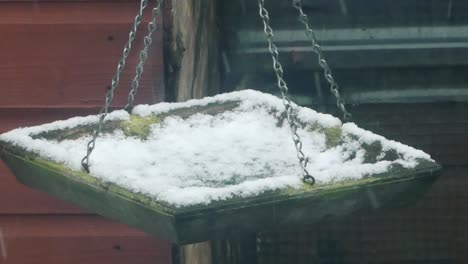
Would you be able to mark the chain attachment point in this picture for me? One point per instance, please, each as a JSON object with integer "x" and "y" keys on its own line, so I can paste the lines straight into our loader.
{"x": 290, "y": 114}
{"x": 148, "y": 40}
{"x": 120, "y": 68}
{"x": 308, "y": 179}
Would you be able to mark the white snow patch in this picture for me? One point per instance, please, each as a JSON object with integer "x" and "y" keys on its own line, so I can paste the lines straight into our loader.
{"x": 206, "y": 158}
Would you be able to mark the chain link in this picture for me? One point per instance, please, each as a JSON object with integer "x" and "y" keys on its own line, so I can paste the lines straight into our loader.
{"x": 143, "y": 56}
{"x": 290, "y": 114}
{"x": 114, "y": 84}
{"x": 304, "y": 19}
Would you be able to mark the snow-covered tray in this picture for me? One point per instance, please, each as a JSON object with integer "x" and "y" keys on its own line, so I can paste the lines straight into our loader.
{"x": 215, "y": 167}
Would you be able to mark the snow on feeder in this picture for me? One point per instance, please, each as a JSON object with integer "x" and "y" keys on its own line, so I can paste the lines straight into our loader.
{"x": 218, "y": 166}
{"x": 207, "y": 168}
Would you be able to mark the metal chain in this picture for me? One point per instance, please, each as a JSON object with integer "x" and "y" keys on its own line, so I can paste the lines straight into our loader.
{"x": 143, "y": 56}
{"x": 114, "y": 84}
{"x": 304, "y": 19}
{"x": 291, "y": 117}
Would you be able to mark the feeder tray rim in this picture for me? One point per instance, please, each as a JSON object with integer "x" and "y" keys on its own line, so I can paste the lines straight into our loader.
{"x": 262, "y": 199}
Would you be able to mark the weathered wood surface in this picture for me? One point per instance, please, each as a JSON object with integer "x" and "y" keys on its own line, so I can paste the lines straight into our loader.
{"x": 194, "y": 51}
{"x": 57, "y": 61}
{"x": 66, "y": 53}
{"x": 58, "y": 239}
{"x": 443, "y": 122}
{"x": 69, "y": 12}
{"x": 198, "y": 253}
{"x": 19, "y": 199}
{"x": 192, "y": 71}
{"x": 110, "y": 126}
{"x": 215, "y": 221}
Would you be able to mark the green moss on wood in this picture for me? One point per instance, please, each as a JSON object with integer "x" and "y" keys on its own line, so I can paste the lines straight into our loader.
{"x": 138, "y": 126}
{"x": 82, "y": 176}
{"x": 76, "y": 132}
{"x": 332, "y": 134}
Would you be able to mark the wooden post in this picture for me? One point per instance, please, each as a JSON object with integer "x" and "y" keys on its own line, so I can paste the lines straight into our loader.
{"x": 192, "y": 49}
{"x": 191, "y": 57}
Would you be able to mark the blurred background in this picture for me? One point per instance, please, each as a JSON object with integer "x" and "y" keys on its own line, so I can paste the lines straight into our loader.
{"x": 401, "y": 66}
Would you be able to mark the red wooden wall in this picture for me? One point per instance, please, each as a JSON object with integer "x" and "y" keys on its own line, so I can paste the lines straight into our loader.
{"x": 56, "y": 61}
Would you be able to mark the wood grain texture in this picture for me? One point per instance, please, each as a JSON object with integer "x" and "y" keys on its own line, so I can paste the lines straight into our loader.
{"x": 75, "y": 239}
{"x": 200, "y": 222}
{"x": 74, "y": 1}
{"x": 19, "y": 199}
{"x": 57, "y": 61}
{"x": 26, "y": 116}
{"x": 192, "y": 50}
{"x": 195, "y": 49}
{"x": 16, "y": 198}
{"x": 70, "y": 12}
{"x": 66, "y": 54}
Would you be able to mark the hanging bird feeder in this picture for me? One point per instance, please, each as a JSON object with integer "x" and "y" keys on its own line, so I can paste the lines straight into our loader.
{"x": 218, "y": 166}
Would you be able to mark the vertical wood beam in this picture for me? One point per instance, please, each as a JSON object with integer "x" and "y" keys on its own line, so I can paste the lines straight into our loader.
{"x": 193, "y": 52}
{"x": 199, "y": 253}
{"x": 192, "y": 70}
{"x": 192, "y": 60}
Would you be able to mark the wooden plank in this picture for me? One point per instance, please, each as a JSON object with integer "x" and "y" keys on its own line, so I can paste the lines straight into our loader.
{"x": 69, "y": 66}
{"x": 75, "y": 239}
{"x": 73, "y": 57}
{"x": 70, "y": 12}
{"x": 25, "y": 201}
{"x": 193, "y": 49}
{"x": 25, "y": 116}
{"x": 17, "y": 198}
{"x": 42, "y": 75}
{"x": 74, "y": 1}
{"x": 195, "y": 223}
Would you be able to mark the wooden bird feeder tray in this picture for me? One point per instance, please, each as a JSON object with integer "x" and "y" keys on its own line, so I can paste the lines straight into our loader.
{"x": 222, "y": 218}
